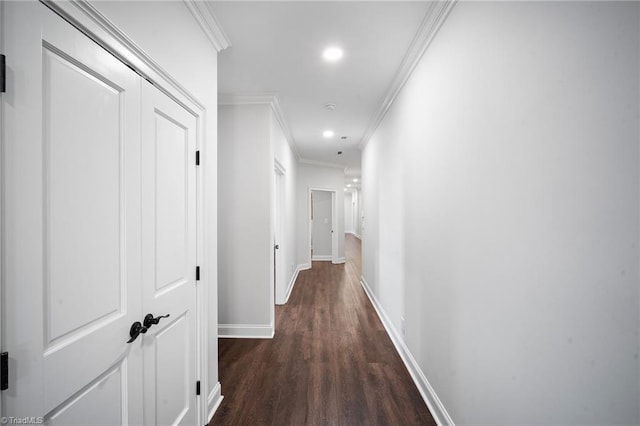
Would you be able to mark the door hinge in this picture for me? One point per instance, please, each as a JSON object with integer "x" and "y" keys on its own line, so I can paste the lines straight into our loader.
{"x": 3, "y": 74}
{"x": 197, "y": 273}
{"x": 198, "y": 387}
{"x": 198, "y": 158}
{"x": 4, "y": 371}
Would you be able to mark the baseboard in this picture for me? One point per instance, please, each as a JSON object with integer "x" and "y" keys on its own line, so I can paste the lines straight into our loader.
{"x": 245, "y": 331}
{"x": 438, "y": 411}
{"x": 339, "y": 261}
{"x": 213, "y": 401}
{"x": 321, "y": 258}
{"x": 292, "y": 283}
{"x": 304, "y": 266}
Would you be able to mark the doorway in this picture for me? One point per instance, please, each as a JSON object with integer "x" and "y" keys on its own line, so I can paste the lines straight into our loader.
{"x": 323, "y": 240}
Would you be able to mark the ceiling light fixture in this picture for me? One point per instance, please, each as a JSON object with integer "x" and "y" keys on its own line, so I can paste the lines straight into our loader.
{"x": 355, "y": 180}
{"x": 349, "y": 185}
{"x": 332, "y": 54}
{"x": 328, "y": 133}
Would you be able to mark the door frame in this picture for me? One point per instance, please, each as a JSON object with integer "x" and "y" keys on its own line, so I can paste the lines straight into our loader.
{"x": 334, "y": 223}
{"x": 88, "y": 20}
{"x": 277, "y": 223}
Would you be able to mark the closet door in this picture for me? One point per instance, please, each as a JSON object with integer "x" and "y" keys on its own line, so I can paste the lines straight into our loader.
{"x": 169, "y": 258}
{"x": 72, "y": 266}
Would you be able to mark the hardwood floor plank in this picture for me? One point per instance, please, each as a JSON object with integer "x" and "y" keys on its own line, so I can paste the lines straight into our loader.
{"x": 331, "y": 361}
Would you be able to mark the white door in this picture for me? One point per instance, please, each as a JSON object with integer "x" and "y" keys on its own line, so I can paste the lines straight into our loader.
{"x": 99, "y": 221}
{"x": 169, "y": 258}
{"x": 72, "y": 221}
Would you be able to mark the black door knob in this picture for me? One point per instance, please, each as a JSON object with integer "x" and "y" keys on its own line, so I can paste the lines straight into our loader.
{"x": 149, "y": 320}
{"x": 135, "y": 330}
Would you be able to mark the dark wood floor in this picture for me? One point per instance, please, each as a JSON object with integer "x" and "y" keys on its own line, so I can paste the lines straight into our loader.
{"x": 330, "y": 362}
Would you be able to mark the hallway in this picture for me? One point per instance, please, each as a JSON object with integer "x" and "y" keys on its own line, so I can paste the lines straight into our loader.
{"x": 330, "y": 362}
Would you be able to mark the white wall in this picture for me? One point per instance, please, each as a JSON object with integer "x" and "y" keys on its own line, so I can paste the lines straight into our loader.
{"x": 286, "y": 158}
{"x": 317, "y": 177}
{"x": 251, "y": 142}
{"x": 322, "y": 225}
{"x": 186, "y": 54}
{"x": 244, "y": 218}
{"x": 501, "y": 213}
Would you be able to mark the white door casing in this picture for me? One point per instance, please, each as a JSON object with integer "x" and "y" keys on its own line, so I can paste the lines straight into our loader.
{"x": 93, "y": 241}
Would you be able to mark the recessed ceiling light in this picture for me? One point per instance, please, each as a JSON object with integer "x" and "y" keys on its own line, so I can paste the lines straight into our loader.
{"x": 355, "y": 180}
{"x": 328, "y": 133}
{"x": 349, "y": 186}
{"x": 332, "y": 54}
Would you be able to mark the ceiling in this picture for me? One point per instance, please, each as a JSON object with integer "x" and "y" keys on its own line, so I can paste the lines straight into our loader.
{"x": 276, "y": 48}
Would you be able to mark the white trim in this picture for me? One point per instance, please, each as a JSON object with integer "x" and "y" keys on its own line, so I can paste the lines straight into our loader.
{"x": 434, "y": 404}
{"x": 304, "y": 266}
{"x": 213, "y": 401}
{"x": 431, "y": 23}
{"x": 321, "y": 258}
{"x": 262, "y": 99}
{"x": 82, "y": 15}
{"x": 292, "y": 283}
{"x": 339, "y": 261}
{"x": 246, "y": 331}
{"x": 202, "y": 13}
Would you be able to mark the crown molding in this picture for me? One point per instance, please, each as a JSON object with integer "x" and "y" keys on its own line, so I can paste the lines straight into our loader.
{"x": 431, "y": 23}
{"x": 84, "y": 16}
{"x": 205, "y": 17}
{"x": 270, "y": 99}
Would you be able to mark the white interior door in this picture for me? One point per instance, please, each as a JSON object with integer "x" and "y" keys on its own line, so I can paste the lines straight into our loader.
{"x": 72, "y": 220}
{"x": 169, "y": 258}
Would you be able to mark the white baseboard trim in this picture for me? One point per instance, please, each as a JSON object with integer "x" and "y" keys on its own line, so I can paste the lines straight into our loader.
{"x": 321, "y": 258}
{"x": 436, "y": 407}
{"x": 339, "y": 261}
{"x": 304, "y": 266}
{"x": 245, "y": 331}
{"x": 292, "y": 283}
{"x": 213, "y": 401}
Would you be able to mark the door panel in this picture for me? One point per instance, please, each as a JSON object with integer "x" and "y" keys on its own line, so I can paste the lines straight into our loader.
{"x": 82, "y": 175}
{"x": 91, "y": 213}
{"x": 174, "y": 385}
{"x": 169, "y": 258}
{"x": 104, "y": 395}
